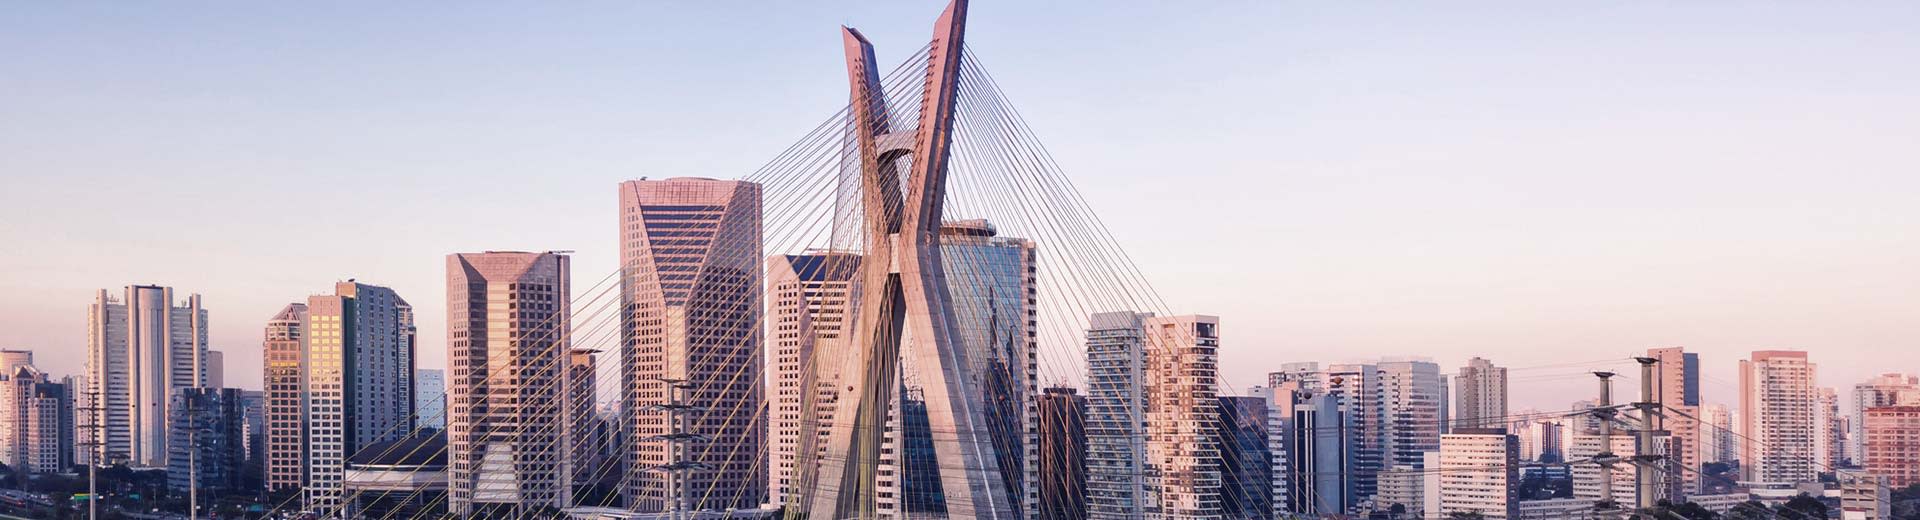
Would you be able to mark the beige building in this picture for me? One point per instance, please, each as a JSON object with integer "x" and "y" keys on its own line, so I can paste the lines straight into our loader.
{"x": 1479, "y": 473}
{"x": 1480, "y": 395}
{"x": 1182, "y": 416}
{"x": 508, "y": 314}
{"x": 691, "y": 287}
{"x": 1590, "y": 480}
{"x": 1882, "y": 390}
{"x": 1864, "y": 496}
{"x": 810, "y": 308}
{"x": 286, "y": 435}
{"x": 1678, "y": 389}
{"x": 1778, "y": 401}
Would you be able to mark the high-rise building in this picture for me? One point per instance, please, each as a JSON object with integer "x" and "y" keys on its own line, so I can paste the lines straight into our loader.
{"x": 1882, "y": 390}
{"x": 993, "y": 286}
{"x": 508, "y": 323}
{"x": 810, "y": 305}
{"x": 1777, "y": 400}
{"x": 583, "y": 376}
{"x": 1716, "y": 437}
{"x": 1830, "y": 433}
{"x": 430, "y": 398}
{"x": 690, "y": 257}
{"x": 36, "y": 418}
{"x": 1678, "y": 389}
{"x": 284, "y": 345}
{"x": 1063, "y": 455}
{"x": 1312, "y": 462}
{"x": 253, "y": 403}
{"x": 140, "y": 348}
{"x": 1481, "y": 395}
{"x": 1246, "y": 469}
{"x": 1116, "y": 412}
{"x": 1589, "y": 480}
{"x": 1356, "y": 388}
{"x": 1182, "y": 415}
{"x": 1411, "y": 393}
{"x": 357, "y": 375}
{"x": 1479, "y": 473}
{"x": 1890, "y": 450}
{"x": 208, "y": 451}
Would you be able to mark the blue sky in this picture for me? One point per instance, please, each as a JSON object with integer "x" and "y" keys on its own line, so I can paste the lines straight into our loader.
{"x": 1532, "y": 182}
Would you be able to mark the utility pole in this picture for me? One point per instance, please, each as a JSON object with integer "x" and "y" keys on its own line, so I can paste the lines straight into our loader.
{"x": 1647, "y": 477}
{"x": 193, "y": 448}
{"x": 1605, "y": 458}
{"x": 676, "y": 439}
{"x": 93, "y": 446}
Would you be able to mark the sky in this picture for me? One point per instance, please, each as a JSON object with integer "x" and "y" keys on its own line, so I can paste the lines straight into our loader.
{"x": 1535, "y": 183}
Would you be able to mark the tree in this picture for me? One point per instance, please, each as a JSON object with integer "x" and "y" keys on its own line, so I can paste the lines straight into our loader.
{"x": 1466, "y": 515}
{"x": 1804, "y": 507}
{"x": 1397, "y": 511}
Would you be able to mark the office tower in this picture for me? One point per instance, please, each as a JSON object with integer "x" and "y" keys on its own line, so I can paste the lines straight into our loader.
{"x": 1479, "y": 473}
{"x": 1312, "y": 477}
{"x": 1182, "y": 415}
{"x": 16, "y": 385}
{"x": 810, "y": 306}
{"x": 1116, "y": 410}
{"x": 508, "y": 323}
{"x": 11, "y": 359}
{"x": 357, "y": 375}
{"x": 1778, "y": 401}
{"x": 1830, "y": 433}
{"x": 1411, "y": 393}
{"x": 1889, "y": 447}
{"x": 1356, "y": 388}
{"x": 1677, "y": 387}
{"x": 1245, "y": 471}
{"x": 1063, "y": 455}
{"x": 1864, "y": 496}
{"x": 284, "y": 345}
{"x": 583, "y": 376}
{"x": 207, "y": 450}
{"x": 690, "y": 257}
{"x": 992, "y": 284}
{"x": 430, "y": 398}
{"x": 1882, "y": 390}
{"x": 1716, "y": 435}
{"x": 216, "y": 369}
{"x": 140, "y": 347}
{"x": 1481, "y": 394}
{"x": 1540, "y": 440}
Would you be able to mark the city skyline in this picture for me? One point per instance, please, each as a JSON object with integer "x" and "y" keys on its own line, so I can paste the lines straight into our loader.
{"x": 1728, "y": 256}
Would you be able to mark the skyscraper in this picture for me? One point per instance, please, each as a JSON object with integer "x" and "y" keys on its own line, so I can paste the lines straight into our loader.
{"x": 36, "y": 419}
{"x": 508, "y": 319}
{"x": 430, "y": 398}
{"x": 1882, "y": 390}
{"x": 1481, "y": 395}
{"x": 690, "y": 260}
{"x": 992, "y": 285}
{"x": 810, "y": 306}
{"x": 1063, "y": 455}
{"x": 1830, "y": 430}
{"x": 216, "y": 369}
{"x": 207, "y": 449}
{"x": 1678, "y": 389}
{"x": 1116, "y": 412}
{"x": 1890, "y": 450}
{"x": 1183, "y": 415}
{"x": 357, "y": 380}
{"x": 583, "y": 382}
{"x": 1777, "y": 403}
{"x": 1246, "y": 469}
{"x": 1716, "y": 436}
{"x": 284, "y": 345}
{"x": 140, "y": 347}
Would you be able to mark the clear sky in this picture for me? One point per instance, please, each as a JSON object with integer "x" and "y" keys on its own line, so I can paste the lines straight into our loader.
{"x": 1533, "y": 182}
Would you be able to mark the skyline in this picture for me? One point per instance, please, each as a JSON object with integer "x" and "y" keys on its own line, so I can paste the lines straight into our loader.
{"x": 1469, "y": 277}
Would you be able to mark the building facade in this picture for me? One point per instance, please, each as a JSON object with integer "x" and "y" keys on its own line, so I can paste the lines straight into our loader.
{"x": 1778, "y": 401}
{"x": 690, "y": 257}
{"x": 284, "y": 346}
{"x": 1245, "y": 468}
{"x": 1063, "y": 455}
{"x": 1892, "y": 444}
{"x": 430, "y": 398}
{"x": 36, "y": 419}
{"x": 1479, "y": 473}
{"x": 141, "y": 346}
{"x": 810, "y": 302}
{"x": 1116, "y": 409}
{"x": 357, "y": 380}
{"x": 208, "y": 446}
{"x": 1182, "y": 416}
{"x": 1480, "y": 395}
{"x": 1882, "y": 390}
{"x": 508, "y": 319}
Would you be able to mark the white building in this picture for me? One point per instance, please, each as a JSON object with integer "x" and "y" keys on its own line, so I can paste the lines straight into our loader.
{"x": 358, "y": 380}
{"x": 1778, "y": 400}
{"x": 430, "y": 398}
{"x": 1183, "y": 416}
{"x": 1589, "y": 481}
{"x": 140, "y": 347}
{"x": 1716, "y": 435}
{"x": 1479, "y": 473}
{"x": 1116, "y": 407}
{"x": 507, "y": 351}
{"x": 1480, "y": 394}
{"x": 810, "y": 306}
